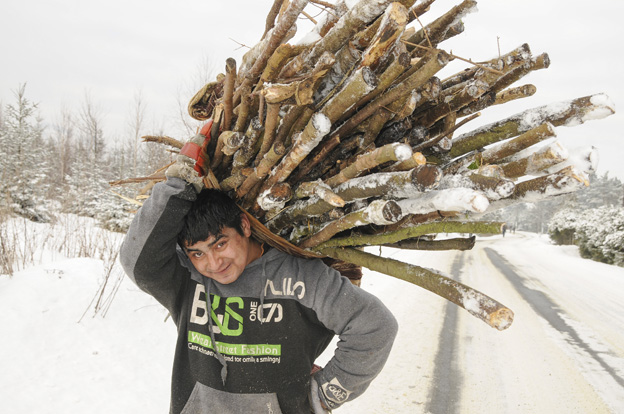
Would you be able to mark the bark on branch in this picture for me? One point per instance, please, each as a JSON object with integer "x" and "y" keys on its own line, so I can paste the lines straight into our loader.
{"x": 163, "y": 139}
{"x": 228, "y": 93}
{"x": 567, "y": 180}
{"x": 380, "y": 212}
{"x": 316, "y": 129}
{"x": 365, "y": 162}
{"x": 416, "y": 231}
{"x": 272, "y": 41}
{"x": 391, "y": 26}
{"x": 568, "y": 113}
{"x": 321, "y": 190}
{"x": 458, "y": 243}
{"x": 352, "y": 22}
{"x": 436, "y": 32}
{"x": 538, "y": 161}
{"x": 476, "y": 303}
{"x": 387, "y": 184}
{"x": 267, "y": 162}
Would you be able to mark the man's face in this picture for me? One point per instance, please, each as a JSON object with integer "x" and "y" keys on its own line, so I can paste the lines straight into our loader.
{"x": 223, "y": 257}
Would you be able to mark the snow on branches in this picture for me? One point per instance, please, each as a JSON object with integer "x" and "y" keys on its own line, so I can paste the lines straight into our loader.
{"x": 348, "y": 135}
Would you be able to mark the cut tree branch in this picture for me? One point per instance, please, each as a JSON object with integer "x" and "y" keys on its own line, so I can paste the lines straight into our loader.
{"x": 458, "y": 243}
{"x": 476, "y": 227}
{"x": 379, "y": 212}
{"x": 476, "y": 303}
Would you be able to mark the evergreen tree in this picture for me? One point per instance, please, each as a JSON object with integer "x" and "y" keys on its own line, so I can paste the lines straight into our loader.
{"x": 599, "y": 232}
{"x": 24, "y": 160}
{"x": 536, "y": 217}
{"x": 594, "y": 221}
{"x": 603, "y": 191}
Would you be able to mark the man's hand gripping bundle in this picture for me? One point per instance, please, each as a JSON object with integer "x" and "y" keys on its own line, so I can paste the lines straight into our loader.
{"x": 192, "y": 162}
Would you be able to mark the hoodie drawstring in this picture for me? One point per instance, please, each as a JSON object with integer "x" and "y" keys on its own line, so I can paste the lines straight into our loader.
{"x": 207, "y": 285}
{"x": 262, "y": 293}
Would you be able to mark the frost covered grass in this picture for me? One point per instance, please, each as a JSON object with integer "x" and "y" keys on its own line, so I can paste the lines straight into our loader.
{"x": 24, "y": 243}
{"x": 28, "y": 243}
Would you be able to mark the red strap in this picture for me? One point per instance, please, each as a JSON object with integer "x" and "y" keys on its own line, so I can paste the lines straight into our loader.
{"x": 191, "y": 150}
{"x": 194, "y": 151}
{"x": 199, "y": 166}
{"x": 205, "y": 131}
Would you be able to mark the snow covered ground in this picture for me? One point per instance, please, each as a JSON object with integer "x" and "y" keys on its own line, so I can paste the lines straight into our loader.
{"x": 563, "y": 353}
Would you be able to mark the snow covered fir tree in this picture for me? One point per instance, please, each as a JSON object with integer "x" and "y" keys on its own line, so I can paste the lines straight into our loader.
{"x": 23, "y": 184}
{"x": 65, "y": 165}
{"x": 593, "y": 219}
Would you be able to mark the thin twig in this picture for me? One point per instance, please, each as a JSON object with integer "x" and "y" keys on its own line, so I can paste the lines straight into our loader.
{"x": 309, "y": 17}
{"x": 239, "y": 43}
{"x": 445, "y": 134}
{"x": 424, "y": 31}
{"x": 390, "y": 110}
{"x": 330, "y": 9}
{"x": 498, "y": 72}
{"x": 128, "y": 199}
{"x": 324, "y": 4}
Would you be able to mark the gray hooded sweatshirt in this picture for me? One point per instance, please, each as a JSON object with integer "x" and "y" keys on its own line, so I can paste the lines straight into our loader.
{"x": 249, "y": 346}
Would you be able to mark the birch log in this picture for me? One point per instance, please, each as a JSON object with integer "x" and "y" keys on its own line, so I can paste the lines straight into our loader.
{"x": 316, "y": 129}
{"x": 408, "y": 182}
{"x": 365, "y": 162}
{"x": 380, "y": 212}
{"x": 537, "y": 161}
{"x": 273, "y": 39}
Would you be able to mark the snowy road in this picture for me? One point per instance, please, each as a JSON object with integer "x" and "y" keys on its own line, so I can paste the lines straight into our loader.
{"x": 564, "y": 352}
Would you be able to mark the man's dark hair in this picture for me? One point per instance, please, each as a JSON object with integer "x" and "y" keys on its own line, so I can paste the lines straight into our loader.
{"x": 211, "y": 212}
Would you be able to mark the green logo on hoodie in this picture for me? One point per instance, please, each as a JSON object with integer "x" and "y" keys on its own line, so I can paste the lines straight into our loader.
{"x": 229, "y": 323}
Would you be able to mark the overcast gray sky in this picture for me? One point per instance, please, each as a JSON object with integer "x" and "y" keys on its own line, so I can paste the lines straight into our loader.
{"x": 110, "y": 50}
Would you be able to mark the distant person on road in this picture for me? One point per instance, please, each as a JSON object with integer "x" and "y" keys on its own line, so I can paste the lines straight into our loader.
{"x": 251, "y": 319}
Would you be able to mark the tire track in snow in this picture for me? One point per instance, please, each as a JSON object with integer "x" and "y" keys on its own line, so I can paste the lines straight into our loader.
{"x": 444, "y": 395}
{"x": 550, "y": 312}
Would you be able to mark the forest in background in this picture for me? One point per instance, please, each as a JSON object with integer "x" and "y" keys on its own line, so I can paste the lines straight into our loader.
{"x": 65, "y": 166}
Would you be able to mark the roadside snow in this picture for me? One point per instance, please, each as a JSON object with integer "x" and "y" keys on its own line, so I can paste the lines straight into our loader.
{"x": 55, "y": 360}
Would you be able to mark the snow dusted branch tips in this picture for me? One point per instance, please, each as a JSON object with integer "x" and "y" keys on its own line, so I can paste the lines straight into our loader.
{"x": 346, "y": 137}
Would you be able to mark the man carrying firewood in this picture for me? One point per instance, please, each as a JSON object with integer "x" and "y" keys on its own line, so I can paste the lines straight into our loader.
{"x": 251, "y": 319}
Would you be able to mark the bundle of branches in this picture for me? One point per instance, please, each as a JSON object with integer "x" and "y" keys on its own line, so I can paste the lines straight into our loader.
{"x": 345, "y": 139}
